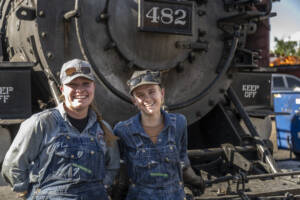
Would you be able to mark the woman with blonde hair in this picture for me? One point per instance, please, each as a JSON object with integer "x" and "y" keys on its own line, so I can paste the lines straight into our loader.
{"x": 67, "y": 152}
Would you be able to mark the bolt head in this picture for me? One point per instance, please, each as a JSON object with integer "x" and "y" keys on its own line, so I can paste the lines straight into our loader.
{"x": 41, "y": 13}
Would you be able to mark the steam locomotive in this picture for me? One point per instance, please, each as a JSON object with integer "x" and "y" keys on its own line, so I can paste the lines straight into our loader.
{"x": 200, "y": 46}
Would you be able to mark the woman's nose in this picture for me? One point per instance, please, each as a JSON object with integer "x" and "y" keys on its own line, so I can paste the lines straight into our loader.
{"x": 146, "y": 97}
{"x": 79, "y": 88}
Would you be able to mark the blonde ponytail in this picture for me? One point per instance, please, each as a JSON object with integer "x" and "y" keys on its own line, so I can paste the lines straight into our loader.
{"x": 109, "y": 137}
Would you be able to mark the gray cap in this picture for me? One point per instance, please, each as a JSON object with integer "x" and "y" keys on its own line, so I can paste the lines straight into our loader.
{"x": 75, "y": 68}
{"x": 145, "y": 77}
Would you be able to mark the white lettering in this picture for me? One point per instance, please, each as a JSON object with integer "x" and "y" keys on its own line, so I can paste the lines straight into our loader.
{"x": 5, "y": 94}
{"x": 250, "y": 91}
{"x": 152, "y": 14}
{"x": 167, "y": 16}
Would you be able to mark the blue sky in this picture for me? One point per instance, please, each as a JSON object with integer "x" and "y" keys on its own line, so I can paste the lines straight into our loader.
{"x": 286, "y": 25}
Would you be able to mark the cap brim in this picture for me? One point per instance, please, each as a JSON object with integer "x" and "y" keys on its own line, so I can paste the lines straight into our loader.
{"x": 71, "y": 78}
{"x": 143, "y": 83}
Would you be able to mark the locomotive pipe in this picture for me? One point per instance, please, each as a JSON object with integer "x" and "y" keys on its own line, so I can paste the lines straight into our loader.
{"x": 213, "y": 152}
{"x": 54, "y": 91}
{"x": 264, "y": 152}
{"x": 250, "y": 177}
{"x": 69, "y": 15}
{"x": 73, "y": 13}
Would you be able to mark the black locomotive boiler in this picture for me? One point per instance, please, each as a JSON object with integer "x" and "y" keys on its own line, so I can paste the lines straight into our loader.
{"x": 199, "y": 46}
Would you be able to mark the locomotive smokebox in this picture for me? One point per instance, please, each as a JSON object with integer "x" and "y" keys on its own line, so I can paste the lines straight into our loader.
{"x": 187, "y": 41}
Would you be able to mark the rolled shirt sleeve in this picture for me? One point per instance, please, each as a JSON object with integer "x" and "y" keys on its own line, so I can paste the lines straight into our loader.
{"x": 21, "y": 154}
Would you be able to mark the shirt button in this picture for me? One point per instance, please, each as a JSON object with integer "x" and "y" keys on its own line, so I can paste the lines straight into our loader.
{"x": 92, "y": 152}
{"x": 68, "y": 137}
{"x": 92, "y": 139}
{"x": 72, "y": 156}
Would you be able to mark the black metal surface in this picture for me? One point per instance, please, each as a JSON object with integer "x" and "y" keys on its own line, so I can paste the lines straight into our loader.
{"x": 253, "y": 89}
{"x": 131, "y": 50}
{"x": 15, "y": 93}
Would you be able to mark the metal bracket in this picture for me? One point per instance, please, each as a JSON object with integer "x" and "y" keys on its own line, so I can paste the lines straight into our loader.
{"x": 246, "y": 58}
{"x": 236, "y": 158}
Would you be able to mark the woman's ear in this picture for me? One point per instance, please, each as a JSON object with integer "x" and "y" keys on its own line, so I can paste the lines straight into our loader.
{"x": 163, "y": 92}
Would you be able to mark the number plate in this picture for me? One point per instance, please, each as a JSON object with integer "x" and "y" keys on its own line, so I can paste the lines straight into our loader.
{"x": 166, "y": 16}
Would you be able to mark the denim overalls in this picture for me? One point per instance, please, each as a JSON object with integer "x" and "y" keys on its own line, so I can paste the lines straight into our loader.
{"x": 75, "y": 167}
{"x": 154, "y": 169}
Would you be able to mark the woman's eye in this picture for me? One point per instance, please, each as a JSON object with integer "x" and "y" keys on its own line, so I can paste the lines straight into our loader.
{"x": 71, "y": 85}
{"x": 86, "y": 84}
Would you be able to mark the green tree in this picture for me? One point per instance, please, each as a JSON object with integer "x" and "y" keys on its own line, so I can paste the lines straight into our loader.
{"x": 286, "y": 48}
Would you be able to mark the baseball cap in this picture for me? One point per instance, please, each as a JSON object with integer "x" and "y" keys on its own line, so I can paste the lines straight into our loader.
{"x": 145, "y": 77}
{"x": 75, "y": 68}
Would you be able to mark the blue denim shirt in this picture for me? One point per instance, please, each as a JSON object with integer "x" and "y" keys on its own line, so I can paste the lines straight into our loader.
{"x": 154, "y": 165}
{"x": 28, "y": 160}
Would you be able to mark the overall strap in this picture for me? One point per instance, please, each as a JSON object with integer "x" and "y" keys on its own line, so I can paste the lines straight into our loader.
{"x": 93, "y": 129}
{"x": 138, "y": 141}
{"x": 171, "y": 140}
{"x": 172, "y": 130}
{"x": 60, "y": 121}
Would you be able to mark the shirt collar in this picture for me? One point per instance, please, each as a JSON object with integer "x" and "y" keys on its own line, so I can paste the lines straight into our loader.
{"x": 91, "y": 114}
{"x": 136, "y": 125}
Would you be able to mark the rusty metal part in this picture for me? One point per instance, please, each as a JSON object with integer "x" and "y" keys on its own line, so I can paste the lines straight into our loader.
{"x": 235, "y": 158}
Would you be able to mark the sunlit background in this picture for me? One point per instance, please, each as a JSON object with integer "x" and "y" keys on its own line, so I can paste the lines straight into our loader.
{"x": 286, "y": 25}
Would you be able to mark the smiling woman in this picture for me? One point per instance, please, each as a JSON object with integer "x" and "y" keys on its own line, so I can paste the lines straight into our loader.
{"x": 78, "y": 94}
{"x": 154, "y": 144}
{"x": 67, "y": 150}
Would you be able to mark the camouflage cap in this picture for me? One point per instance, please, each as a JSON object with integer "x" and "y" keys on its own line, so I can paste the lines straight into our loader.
{"x": 145, "y": 77}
